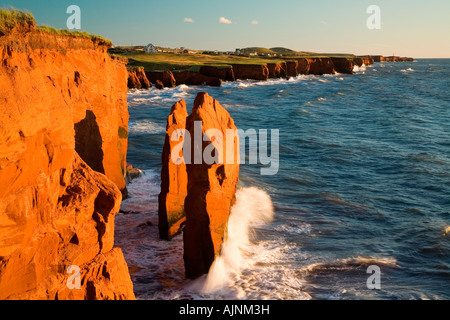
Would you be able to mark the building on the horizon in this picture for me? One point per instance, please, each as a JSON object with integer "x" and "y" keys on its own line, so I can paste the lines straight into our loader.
{"x": 150, "y": 48}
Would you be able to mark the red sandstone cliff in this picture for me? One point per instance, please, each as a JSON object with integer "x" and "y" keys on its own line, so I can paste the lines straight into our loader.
{"x": 251, "y": 72}
{"x": 63, "y": 142}
{"x": 277, "y": 70}
{"x": 225, "y": 74}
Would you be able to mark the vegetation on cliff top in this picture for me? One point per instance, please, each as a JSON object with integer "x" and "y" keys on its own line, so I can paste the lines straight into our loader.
{"x": 77, "y": 34}
{"x": 190, "y": 62}
{"x": 10, "y": 18}
{"x": 13, "y": 17}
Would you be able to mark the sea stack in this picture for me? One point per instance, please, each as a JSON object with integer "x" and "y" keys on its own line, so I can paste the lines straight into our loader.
{"x": 173, "y": 176}
{"x": 211, "y": 187}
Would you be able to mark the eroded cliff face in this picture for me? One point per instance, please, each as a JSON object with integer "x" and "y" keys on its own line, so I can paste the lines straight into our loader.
{"x": 63, "y": 142}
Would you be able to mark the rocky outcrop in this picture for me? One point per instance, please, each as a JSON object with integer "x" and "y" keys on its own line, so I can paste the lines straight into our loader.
{"x": 250, "y": 72}
{"x": 168, "y": 79}
{"x": 132, "y": 173}
{"x": 174, "y": 178}
{"x": 211, "y": 188}
{"x": 159, "y": 84}
{"x": 63, "y": 100}
{"x": 137, "y": 79}
{"x": 191, "y": 78}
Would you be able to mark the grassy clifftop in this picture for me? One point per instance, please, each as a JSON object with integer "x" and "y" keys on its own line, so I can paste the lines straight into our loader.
{"x": 189, "y": 62}
{"x": 12, "y": 18}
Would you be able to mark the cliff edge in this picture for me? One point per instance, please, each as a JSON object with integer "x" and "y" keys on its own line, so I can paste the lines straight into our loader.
{"x": 63, "y": 142}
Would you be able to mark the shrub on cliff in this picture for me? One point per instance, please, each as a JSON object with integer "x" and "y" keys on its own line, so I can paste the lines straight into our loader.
{"x": 13, "y": 17}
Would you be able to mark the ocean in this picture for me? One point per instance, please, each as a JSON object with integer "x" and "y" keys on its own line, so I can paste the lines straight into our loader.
{"x": 364, "y": 180}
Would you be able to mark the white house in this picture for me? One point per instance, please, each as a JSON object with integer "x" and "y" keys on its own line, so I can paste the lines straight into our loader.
{"x": 150, "y": 48}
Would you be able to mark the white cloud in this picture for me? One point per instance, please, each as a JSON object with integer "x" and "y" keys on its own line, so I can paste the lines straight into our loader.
{"x": 323, "y": 22}
{"x": 224, "y": 20}
{"x": 190, "y": 20}
{"x": 255, "y": 22}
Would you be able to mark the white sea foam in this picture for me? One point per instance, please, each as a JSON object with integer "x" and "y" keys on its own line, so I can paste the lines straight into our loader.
{"x": 248, "y": 268}
{"x": 407, "y": 70}
{"x": 294, "y": 228}
{"x": 146, "y": 126}
{"x": 156, "y": 97}
{"x": 253, "y": 207}
{"x": 357, "y": 69}
{"x": 350, "y": 263}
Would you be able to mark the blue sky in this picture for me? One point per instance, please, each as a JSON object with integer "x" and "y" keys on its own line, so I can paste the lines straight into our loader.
{"x": 409, "y": 28}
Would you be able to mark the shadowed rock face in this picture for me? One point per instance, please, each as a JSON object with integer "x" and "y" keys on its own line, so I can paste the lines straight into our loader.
{"x": 251, "y": 72}
{"x": 210, "y": 191}
{"x": 343, "y": 65}
{"x": 88, "y": 142}
{"x": 58, "y": 95}
{"x": 173, "y": 177}
{"x": 196, "y": 79}
{"x": 277, "y": 70}
{"x": 226, "y": 74}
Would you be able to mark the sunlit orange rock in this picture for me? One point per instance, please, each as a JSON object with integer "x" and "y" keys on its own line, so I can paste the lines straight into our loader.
{"x": 137, "y": 79}
{"x": 174, "y": 178}
{"x": 168, "y": 79}
{"x": 211, "y": 188}
{"x": 63, "y": 142}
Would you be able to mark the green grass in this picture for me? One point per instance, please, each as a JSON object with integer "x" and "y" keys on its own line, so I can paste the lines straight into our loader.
{"x": 189, "y": 62}
{"x": 9, "y": 18}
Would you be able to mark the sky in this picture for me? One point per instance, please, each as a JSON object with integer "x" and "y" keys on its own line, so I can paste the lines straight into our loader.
{"x": 415, "y": 28}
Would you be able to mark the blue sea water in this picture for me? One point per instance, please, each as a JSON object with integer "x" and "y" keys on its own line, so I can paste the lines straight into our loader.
{"x": 364, "y": 180}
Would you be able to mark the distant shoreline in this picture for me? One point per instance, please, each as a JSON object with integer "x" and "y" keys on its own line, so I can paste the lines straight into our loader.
{"x": 171, "y": 70}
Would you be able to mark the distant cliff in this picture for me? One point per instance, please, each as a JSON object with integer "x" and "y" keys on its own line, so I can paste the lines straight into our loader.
{"x": 291, "y": 67}
{"x": 63, "y": 142}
